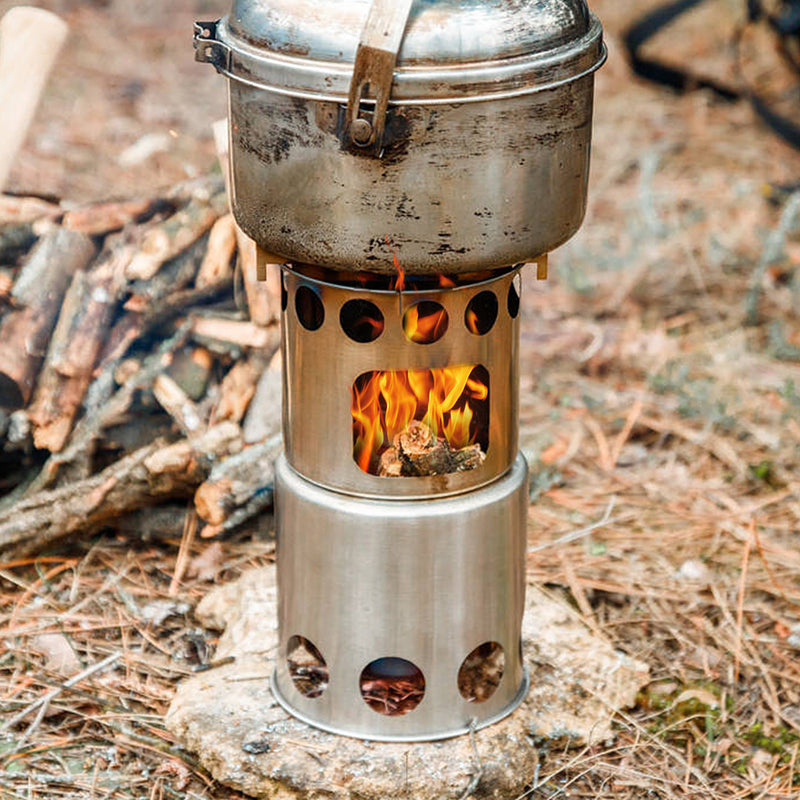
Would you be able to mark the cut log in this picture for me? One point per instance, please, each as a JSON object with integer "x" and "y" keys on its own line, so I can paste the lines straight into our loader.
{"x": 263, "y": 297}
{"x": 38, "y": 293}
{"x": 239, "y": 386}
{"x": 178, "y": 273}
{"x": 78, "y": 338}
{"x": 177, "y": 404}
{"x": 235, "y": 332}
{"x": 104, "y": 218}
{"x": 217, "y": 264}
{"x": 264, "y": 416}
{"x": 239, "y": 487}
{"x": 155, "y": 473}
{"x": 156, "y": 313}
{"x": 104, "y": 407}
{"x": 22, "y": 210}
{"x": 191, "y": 370}
{"x": 417, "y": 452}
{"x": 15, "y": 241}
{"x": 6, "y": 284}
{"x": 168, "y": 239}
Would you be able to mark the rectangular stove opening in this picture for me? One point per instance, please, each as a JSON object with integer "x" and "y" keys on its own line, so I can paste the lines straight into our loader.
{"x": 421, "y": 423}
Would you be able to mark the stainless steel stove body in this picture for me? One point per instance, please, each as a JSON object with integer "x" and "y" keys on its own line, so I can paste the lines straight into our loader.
{"x": 376, "y": 569}
{"x": 414, "y": 152}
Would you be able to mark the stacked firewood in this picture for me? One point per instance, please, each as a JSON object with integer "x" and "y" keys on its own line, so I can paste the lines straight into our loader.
{"x": 138, "y": 362}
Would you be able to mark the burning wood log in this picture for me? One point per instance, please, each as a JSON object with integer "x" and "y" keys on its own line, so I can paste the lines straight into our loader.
{"x": 152, "y": 474}
{"x": 417, "y": 452}
{"x": 76, "y": 343}
{"x": 38, "y": 293}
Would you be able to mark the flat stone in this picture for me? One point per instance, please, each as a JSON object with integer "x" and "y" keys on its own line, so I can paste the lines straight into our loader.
{"x": 229, "y": 718}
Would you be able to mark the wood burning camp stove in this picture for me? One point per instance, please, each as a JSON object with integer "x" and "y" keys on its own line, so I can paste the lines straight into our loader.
{"x": 404, "y": 157}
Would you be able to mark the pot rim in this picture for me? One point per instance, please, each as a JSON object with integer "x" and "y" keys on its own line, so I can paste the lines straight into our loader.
{"x": 451, "y": 84}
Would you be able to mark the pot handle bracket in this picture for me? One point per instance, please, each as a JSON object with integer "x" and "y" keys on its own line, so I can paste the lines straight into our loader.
{"x": 209, "y": 48}
{"x": 373, "y": 74}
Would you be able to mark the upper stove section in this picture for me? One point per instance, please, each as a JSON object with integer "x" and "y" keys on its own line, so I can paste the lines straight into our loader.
{"x": 457, "y": 129}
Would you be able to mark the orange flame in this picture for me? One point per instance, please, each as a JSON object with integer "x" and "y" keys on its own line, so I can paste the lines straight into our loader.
{"x": 445, "y": 282}
{"x": 473, "y": 321}
{"x": 452, "y": 402}
{"x": 400, "y": 281}
{"x": 425, "y": 323}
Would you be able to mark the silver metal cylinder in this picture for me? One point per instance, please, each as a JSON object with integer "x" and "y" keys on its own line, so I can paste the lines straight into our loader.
{"x": 419, "y": 582}
{"x": 322, "y": 365}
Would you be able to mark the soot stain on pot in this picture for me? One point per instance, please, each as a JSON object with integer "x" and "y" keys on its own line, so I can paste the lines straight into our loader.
{"x": 289, "y": 128}
{"x": 405, "y": 208}
{"x": 445, "y": 248}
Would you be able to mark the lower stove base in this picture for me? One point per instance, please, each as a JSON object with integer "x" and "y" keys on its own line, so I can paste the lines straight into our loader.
{"x": 423, "y": 583}
{"x": 470, "y": 725}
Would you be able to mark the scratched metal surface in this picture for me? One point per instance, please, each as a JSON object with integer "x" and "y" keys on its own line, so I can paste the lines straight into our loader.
{"x": 439, "y": 31}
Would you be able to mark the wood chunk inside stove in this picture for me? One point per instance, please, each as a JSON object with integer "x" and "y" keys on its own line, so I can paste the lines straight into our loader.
{"x": 418, "y": 453}
{"x": 421, "y": 423}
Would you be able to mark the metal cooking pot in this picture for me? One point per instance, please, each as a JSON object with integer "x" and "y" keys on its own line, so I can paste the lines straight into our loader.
{"x": 454, "y": 133}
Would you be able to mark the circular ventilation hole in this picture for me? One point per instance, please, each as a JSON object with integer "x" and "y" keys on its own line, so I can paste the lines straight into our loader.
{"x": 284, "y": 293}
{"x": 309, "y": 309}
{"x": 392, "y": 686}
{"x": 481, "y": 313}
{"x": 481, "y": 672}
{"x": 425, "y": 322}
{"x": 307, "y": 667}
{"x": 361, "y": 320}
{"x": 514, "y": 293}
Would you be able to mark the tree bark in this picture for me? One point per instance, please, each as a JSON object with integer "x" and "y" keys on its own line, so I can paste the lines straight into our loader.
{"x": 104, "y": 218}
{"x": 38, "y": 295}
{"x": 79, "y": 336}
{"x": 240, "y": 486}
{"x": 145, "y": 478}
{"x": 168, "y": 239}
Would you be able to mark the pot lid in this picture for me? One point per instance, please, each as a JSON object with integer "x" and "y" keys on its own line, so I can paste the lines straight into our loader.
{"x": 452, "y": 50}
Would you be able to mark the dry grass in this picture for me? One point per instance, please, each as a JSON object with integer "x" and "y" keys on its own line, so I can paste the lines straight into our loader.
{"x": 660, "y": 370}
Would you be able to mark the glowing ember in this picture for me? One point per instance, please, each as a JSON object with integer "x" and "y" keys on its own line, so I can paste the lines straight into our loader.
{"x": 452, "y": 402}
